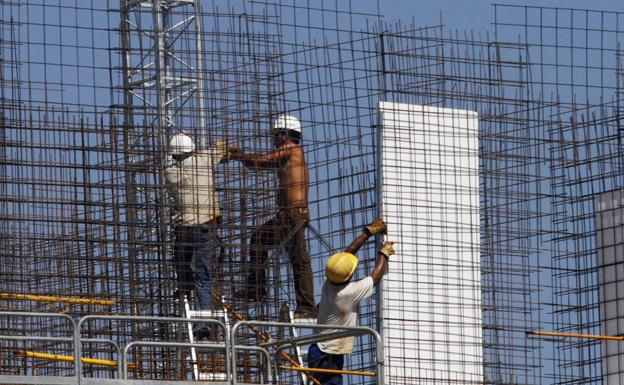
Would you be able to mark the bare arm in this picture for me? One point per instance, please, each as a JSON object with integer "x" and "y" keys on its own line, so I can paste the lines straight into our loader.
{"x": 386, "y": 250}
{"x": 358, "y": 242}
{"x": 382, "y": 258}
{"x": 377, "y": 226}
{"x": 380, "y": 268}
{"x": 269, "y": 159}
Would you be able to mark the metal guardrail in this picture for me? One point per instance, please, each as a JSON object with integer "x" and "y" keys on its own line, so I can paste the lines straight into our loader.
{"x": 333, "y": 332}
{"x": 229, "y": 346}
{"x": 197, "y": 345}
{"x": 124, "y": 363}
{"x": 52, "y": 380}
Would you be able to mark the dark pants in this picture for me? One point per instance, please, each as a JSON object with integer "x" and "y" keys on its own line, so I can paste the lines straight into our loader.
{"x": 321, "y": 360}
{"x": 288, "y": 227}
{"x": 197, "y": 250}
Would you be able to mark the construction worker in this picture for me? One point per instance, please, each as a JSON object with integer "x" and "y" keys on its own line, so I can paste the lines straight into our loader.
{"x": 190, "y": 181}
{"x": 340, "y": 299}
{"x": 289, "y": 225}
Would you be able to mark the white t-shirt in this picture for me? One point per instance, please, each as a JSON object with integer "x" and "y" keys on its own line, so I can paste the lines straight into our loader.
{"x": 339, "y": 307}
{"x": 191, "y": 184}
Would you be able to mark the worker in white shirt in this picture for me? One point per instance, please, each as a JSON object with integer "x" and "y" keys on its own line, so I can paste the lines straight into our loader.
{"x": 190, "y": 182}
{"x": 340, "y": 299}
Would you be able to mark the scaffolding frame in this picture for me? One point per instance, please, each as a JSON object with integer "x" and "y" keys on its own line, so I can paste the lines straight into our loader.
{"x": 91, "y": 92}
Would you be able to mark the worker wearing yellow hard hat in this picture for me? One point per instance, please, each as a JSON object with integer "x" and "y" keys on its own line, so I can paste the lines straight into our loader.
{"x": 340, "y": 267}
{"x": 340, "y": 298}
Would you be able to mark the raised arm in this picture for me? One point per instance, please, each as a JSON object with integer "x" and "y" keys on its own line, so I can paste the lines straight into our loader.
{"x": 377, "y": 226}
{"x": 381, "y": 265}
{"x": 218, "y": 152}
{"x": 358, "y": 242}
{"x": 269, "y": 159}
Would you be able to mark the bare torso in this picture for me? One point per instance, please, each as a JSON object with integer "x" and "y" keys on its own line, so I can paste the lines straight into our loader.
{"x": 293, "y": 178}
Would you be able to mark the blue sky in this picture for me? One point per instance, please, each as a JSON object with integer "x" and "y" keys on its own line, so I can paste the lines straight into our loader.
{"x": 474, "y": 14}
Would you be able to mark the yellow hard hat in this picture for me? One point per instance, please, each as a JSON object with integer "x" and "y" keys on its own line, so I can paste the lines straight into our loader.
{"x": 340, "y": 267}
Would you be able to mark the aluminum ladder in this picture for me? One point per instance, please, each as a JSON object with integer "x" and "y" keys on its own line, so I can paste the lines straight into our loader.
{"x": 204, "y": 314}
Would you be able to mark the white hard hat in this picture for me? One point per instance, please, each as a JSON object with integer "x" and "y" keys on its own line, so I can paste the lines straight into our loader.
{"x": 180, "y": 144}
{"x": 287, "y": 122}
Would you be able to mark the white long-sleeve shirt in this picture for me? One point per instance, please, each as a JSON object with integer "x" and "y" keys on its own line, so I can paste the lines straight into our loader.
{"x": 191, "y": 184}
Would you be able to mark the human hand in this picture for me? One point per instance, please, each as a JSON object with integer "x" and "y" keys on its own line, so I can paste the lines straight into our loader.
{"x": 378, "y": 226}
{"x": 387, "y": 249}
{"x": 234, "y": 151}
{"x": 220, "y": 145}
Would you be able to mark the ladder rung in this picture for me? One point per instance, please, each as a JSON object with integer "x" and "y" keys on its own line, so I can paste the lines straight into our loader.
{"x": 212, "y": 376}
{"x": 199, "y": 373}
{"x": 301, "y": 355}
{"x": 205, "y": 314}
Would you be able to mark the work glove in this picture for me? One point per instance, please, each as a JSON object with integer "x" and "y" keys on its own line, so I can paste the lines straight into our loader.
{"x": 377, "y": 226}
{"x": 387, "y": 249}
{"x": 221, "y": 144}
{"x": 233, "y": 150}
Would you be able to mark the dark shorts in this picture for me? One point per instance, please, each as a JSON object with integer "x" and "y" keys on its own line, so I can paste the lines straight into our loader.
{"x": 321, "y": 360}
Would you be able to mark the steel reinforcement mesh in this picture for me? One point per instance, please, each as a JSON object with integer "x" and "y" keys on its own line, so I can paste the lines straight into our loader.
{"x": 84, "y": 212}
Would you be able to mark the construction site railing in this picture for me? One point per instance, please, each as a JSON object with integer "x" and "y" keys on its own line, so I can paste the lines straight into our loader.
{"x": 122, "y": 364}
{"x": 16, "y": 379}
{"x": 197, "y": 345}
{"x": 174, "y": 320}
{"x": 110, "y": 342}
{"x": 332, "y": 332}
{"x": 228, "y": 346}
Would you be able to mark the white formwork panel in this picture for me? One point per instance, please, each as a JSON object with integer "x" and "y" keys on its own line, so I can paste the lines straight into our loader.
{"x": 610, "y": 242}
{"x": 431, "y": 296}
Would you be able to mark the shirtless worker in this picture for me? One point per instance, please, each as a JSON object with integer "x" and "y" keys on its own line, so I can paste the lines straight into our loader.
{"x": 292, "y": 218}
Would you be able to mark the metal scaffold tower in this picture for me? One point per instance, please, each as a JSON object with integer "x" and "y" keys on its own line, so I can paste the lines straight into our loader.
{"x": 163, "y": 92}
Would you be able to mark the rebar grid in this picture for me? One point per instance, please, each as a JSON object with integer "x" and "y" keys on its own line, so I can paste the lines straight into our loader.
{"x": 84, "y": 212}
{"x": 577, "y": 70}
